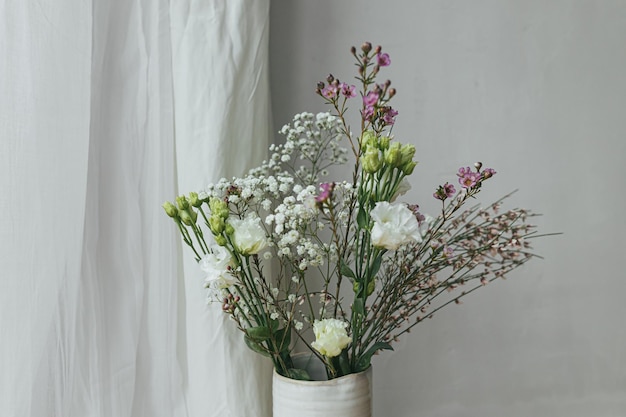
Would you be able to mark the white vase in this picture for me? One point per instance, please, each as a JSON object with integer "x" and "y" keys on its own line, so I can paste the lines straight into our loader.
{"x": 347, "y": 396}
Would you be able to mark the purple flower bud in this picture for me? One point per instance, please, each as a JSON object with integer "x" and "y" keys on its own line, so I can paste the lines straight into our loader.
{"x": 488, "y": 173}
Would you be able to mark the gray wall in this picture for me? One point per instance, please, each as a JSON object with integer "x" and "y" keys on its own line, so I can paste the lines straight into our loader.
{"x": 537, "y": 90}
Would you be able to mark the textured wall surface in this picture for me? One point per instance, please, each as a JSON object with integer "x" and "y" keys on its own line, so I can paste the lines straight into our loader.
{"x": 536, "y": 90}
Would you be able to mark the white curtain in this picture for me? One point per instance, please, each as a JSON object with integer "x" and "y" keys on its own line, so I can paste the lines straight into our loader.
{"x": 108, "y": 108}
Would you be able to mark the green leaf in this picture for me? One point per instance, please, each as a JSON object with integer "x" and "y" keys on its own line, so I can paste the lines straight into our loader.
{"x": 361, "y": 219}
{"x": 344, "y": 363}
{"x": 255, "y": 346}
{"x": 299, "y": 374}
{"x": 283, "y": 338}
{"x": 346, "y": 271}
{"x": 258, "y": 334}
{"x": 375, "y": 266}
{"x": 364, "y": 361}
{"x": 274, "y": 325}
{"x": 358, "y": 307}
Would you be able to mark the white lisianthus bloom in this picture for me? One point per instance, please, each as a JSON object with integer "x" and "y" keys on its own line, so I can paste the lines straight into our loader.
{"x": 394, "y": 226}
{"x": 248, "y": 236}
{"x": 331, "y": 337}
{"x": 215, "y": 265}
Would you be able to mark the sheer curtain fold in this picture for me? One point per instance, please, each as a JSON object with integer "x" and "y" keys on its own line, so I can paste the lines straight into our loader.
{"x": 44, "y": 120}
{"x": 95, "y": 317}
{"x": 221, "y": 91}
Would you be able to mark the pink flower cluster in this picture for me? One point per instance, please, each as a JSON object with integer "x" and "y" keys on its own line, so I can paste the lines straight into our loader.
{"x": 334, "y": 90}
{"x": 470, "y": 179}
{"x": 372, "y": 108}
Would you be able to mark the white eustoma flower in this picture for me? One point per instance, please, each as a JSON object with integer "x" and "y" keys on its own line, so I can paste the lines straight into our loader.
{"x": 394, "y": 226}
{"x": 248, "y": 236}
{"x": 215, "y": 265}
{"x": 331, "y": 337}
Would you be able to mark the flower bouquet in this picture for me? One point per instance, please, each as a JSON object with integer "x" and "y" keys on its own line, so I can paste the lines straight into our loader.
{"x": 343, "y": 268}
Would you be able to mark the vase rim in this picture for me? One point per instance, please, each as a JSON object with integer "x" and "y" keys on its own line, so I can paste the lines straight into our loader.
{"x": 322, "y": 382}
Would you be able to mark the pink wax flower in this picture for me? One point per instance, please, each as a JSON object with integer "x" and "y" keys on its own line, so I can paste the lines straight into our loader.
{"x": 488, "y": 173}
{"x": 371, "y": 99}
{"x": 327, "y": 192}
{"x": 468, "y": 178}
{"x": 330, "y": 91}
{"x": 368, "y": 113}
{"x": 383, "y": 60}
{"x": 444, "y": 191}
{"x": 389, "y": 116}
{"x": 347, "y": 90}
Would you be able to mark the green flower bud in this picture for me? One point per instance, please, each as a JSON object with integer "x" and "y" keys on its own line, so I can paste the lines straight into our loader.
{"x": 193, "y": 214}
{"x": 407, "y": 169}
{"x": 371, "y": 160}
{"x": 216, "y": 224}
{"x": 186, "y": 218}
{"x": 408, "y": 152}
{"x": 218, "y": 207}
{"x": 182, "y": 202}
{"x": 170, "y": 209}
{"x": 194, "y": 200}
{"x": 220, "y": 240}
{"x": 393, "y": 155}
{"x": 384, "y": 142}
{"x": 229, "y": 229}
{"x": 370, "y": 287}
{"x": 368, "y": 139}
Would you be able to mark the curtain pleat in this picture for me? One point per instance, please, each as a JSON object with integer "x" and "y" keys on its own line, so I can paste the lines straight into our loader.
{"x": 107, "y": 109}
{"x": 221, "y": 91}
{"x": 45, "y": 51}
